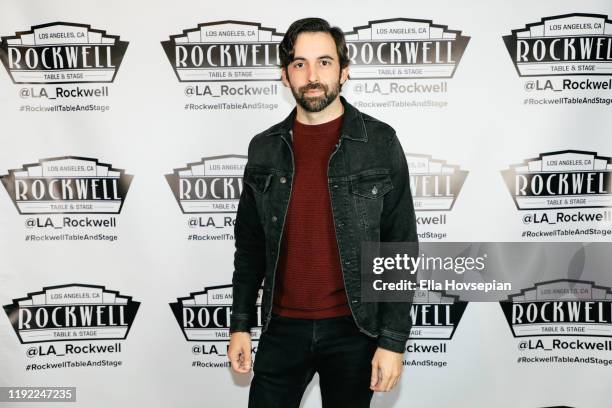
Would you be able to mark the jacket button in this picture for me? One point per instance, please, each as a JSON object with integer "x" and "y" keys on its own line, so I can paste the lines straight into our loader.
{"x": 374, "y": 190}
{"x": 335, "y": 186}
{"x": 347, "y": 262}
{"x": 283, "y": 180}
{"x": 274, "y": 219}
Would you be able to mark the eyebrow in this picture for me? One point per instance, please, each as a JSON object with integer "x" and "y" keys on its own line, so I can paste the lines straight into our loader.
{"x": 321, "y": 57}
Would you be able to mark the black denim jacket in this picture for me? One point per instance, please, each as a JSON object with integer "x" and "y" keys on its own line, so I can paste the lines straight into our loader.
{"x": 370, "y": 199}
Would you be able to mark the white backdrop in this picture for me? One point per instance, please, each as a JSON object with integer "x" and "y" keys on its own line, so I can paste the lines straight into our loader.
{"x": 474, "y": 122}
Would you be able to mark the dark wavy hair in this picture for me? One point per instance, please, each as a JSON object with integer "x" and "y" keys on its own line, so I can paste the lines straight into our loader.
{"x": 311, "y": 25}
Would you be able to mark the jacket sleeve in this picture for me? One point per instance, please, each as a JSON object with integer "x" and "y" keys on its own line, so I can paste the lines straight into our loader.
{"x": 249, "y": 260}
{"x": 398, "y": 224}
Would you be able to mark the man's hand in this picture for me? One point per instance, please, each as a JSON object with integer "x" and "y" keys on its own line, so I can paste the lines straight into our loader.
{"x": 386, "y": 369}
{"x": 239, "y": 352}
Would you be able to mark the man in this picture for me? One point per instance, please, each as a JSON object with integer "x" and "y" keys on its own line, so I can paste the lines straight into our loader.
{"x": 315, "y": 186}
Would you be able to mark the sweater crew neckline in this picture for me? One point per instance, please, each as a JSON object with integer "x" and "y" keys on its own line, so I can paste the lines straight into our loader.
{"x": 333, "y": 126}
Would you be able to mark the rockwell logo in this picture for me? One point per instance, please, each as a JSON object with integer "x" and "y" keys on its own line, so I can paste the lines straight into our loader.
{"x": 225, "y": 51}
{"x": 563, "y": 179}
{"x": 205, "y": 315}
{"x": 62, "y": 53}
{"x": 570, "y": 44}
{"x": 435, "y": 184}
{"x": 67, "y": 185}
{"x": 435, "y": 315}
{"x": 404, "y": 48}
{"x": 212, "y": 185}
{"x": 72, "y": 312}
{"x": 560, "y": 307}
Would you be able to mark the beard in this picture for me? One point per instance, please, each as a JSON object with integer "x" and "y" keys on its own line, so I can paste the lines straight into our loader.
{"x": 316, "y": 103}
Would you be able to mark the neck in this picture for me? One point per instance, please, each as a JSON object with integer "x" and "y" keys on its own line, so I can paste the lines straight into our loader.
{"x": 331, "y": 112}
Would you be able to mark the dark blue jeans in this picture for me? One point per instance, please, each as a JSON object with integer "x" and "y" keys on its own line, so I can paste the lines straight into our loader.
{"x": 291, "y": 350}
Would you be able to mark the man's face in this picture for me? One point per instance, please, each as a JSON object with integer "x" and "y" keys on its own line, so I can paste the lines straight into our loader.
{"x": 314, "y": 75}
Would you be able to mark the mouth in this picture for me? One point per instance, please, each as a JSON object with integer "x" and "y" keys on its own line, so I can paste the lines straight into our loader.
{"x": 313, "y": 92}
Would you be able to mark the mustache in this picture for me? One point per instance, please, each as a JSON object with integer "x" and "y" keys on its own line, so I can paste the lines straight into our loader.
{"x": 315, "y": 85}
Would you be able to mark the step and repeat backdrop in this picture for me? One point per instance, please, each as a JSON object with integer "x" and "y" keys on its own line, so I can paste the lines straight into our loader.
{"x": 124, "y": 135}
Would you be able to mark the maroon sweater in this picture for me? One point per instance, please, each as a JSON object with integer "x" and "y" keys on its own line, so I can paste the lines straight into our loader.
{"x": 309, "y": 282}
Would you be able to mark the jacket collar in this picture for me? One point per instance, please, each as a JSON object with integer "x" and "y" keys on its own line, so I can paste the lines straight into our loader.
{"x": 353, "y": 126}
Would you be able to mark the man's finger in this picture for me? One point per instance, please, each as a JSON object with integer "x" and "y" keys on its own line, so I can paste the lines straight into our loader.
{"x": 246, "y": 363}
{"x": 399, "y": 376}
{"x": 374, "y": 375}
{"x": 386, "y": 380}
{"x": 235, "y": 359}
{"x": 393, "y": 383}
{"x": 395, "y": 376}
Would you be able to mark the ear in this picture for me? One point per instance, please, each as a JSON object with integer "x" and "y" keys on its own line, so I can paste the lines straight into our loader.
{"x": 344, "y": 73}
{"x": 284, "y": 77}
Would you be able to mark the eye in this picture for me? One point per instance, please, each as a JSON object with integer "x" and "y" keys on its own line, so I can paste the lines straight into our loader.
{"x": 298, "y": 65}
{"x": 325, "y": 63}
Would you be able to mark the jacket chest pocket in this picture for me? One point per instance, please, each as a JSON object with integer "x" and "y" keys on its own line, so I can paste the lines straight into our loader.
{"x": 368, "y": 192}
{"x": 259, "y": 182}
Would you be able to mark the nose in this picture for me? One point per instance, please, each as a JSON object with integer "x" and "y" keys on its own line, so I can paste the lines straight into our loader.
{"x": 313, "y": 75}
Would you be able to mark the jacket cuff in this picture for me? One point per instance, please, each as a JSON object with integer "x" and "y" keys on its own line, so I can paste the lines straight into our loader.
{"x": 240, "y": 323}
{"x": 389, "y": 343}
